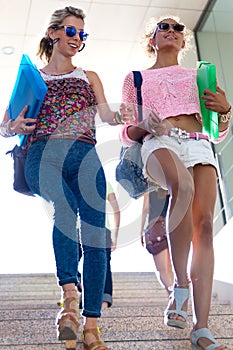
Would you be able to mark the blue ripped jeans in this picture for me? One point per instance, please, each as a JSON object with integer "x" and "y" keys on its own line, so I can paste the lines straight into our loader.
{"x": 68, "y": 173}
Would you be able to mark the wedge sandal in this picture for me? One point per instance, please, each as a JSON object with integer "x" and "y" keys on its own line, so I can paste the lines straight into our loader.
{"x": 179, "y": 295}
{"x": 97, "y": 344}
{"x": 67, "y": 320}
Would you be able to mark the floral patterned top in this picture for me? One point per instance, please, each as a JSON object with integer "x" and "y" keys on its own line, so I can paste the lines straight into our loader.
{"x": 69, "y": 106}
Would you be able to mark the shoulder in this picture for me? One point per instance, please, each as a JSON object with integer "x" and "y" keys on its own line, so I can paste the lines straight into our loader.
{"x": 92, "y": 77}
{"x": 128, "y": 80}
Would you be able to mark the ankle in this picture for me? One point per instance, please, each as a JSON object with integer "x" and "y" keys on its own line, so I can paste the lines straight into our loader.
{"x": 184, "y": 286}
{"x": 69, "y": 291}
{"x": 104, "y": 305}
{"x": 182, "y": 283}
{"x": 90, "y": 323}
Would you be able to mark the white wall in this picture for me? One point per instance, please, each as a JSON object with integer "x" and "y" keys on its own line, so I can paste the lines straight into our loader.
{"x": 223, "y": 275}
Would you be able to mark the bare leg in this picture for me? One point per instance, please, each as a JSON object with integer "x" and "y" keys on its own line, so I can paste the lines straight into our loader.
{"x": 202, "y": 266}
{"x": 164, "y": 271}
{"x": 167, "y": 170}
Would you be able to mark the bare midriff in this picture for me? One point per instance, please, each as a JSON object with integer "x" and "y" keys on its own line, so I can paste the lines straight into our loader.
{"x": 184, "y": 122}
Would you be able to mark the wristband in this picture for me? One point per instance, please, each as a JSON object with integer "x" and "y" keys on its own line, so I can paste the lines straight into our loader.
{"x": 117, "y": 118}
{"x": 4, "y": 129}
{"x": 225, "y": 117}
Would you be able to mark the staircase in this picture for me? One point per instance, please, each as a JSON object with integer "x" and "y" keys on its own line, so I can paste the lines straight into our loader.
{"x": 28, "y": 311}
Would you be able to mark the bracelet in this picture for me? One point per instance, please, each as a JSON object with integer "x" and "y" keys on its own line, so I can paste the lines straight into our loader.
{"x": 225, "y": 117}
{"x": 4, "y": 129}
{"x": 117, "y": 118}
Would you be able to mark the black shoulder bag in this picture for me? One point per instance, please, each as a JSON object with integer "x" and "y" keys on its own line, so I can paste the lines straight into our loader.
{"x": 19, "y": 155}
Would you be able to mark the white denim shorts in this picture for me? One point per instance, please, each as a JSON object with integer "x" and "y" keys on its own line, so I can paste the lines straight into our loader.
{"x": 190, "y": 151}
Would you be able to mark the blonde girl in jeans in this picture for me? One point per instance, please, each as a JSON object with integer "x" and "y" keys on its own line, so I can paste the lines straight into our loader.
{"x": 63, "y": 168}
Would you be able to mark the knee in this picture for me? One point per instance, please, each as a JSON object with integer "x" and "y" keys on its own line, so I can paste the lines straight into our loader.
{"x": 183, "y": 188}
{"x": 204, "y": 229}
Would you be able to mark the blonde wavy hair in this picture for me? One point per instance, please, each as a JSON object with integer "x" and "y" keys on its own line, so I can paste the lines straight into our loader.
{"x": 150, "y": 32}
{"x": 46, "y": 45}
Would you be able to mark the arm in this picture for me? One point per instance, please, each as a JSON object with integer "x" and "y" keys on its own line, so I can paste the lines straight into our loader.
{"x": 129, "y": 100}
{"x": 105, "y": 113}
{"x": 10, "y": 127}
{"x": 217, "y": 101}
{"x": 145, "y": 210}
{"x": 135, "y": 131}
{"x": 116, "y": 213}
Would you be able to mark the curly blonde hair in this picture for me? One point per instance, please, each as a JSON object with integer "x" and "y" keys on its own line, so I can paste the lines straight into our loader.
{"x": 46, "y": 46}
{"x": 150, "y": 32}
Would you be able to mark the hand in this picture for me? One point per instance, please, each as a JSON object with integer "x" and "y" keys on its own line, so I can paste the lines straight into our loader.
{"x": 216, "y": 101}
{"x": 127, "y": 113}
{"x": 113, "y": 245}
{"x": 154, "y": 125}
{"x": 19, "y": 126}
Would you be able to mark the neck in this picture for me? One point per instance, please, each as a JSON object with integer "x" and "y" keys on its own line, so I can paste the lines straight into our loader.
{"x": 163, "y": 64}
{"x": 165, "y": 60}
{"x": 59, "y": 66}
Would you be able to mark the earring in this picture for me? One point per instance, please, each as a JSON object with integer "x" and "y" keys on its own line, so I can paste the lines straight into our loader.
{"x": 83, "y": 45}
{"x": 53, "y": 42}
{"x": 151, "y": 44}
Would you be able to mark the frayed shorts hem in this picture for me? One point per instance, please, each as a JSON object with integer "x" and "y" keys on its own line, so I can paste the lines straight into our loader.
{"x": 191, "y": 152}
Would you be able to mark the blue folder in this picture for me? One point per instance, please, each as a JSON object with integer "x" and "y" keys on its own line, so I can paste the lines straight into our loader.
{"x": 29, "y": 89}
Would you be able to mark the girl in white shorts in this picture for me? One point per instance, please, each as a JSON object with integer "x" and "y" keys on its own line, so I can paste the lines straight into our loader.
{"x": 178, "y": 157}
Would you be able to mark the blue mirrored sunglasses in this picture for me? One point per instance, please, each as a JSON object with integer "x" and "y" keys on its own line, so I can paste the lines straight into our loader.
{"x": 72, "y": 31}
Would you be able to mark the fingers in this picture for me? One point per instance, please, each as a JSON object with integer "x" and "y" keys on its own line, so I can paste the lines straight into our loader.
{"x": 155, "y": 126}
{"x": 220, "y": 91}
{"x": 127, "y": 113}
{"x": 28, "y": 129}
{"x": 23, "y": 112}
{"x": 154, "y": 116}
{"x": 23, "y": 125}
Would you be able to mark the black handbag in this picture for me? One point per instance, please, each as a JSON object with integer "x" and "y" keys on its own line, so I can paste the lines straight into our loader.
{"x": 20, "y": 185}
{"x": 129, "y": 170}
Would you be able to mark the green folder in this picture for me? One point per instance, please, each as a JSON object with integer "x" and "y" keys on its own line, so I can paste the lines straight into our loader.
{"x": 206, "y": 79}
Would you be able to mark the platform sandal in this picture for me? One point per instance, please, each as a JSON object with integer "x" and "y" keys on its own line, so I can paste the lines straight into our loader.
{"x": 203, "y": 333}
{"x": 179, "y": 295}
{"x": 67, "y": 320}
{"x": 97, "y": 344}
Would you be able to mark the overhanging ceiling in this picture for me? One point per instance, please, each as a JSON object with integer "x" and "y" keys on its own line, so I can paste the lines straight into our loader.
{"x": 115, "y": 28}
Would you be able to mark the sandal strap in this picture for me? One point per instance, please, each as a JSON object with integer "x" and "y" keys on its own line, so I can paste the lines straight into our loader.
{"x": 95, "y": 344}
{"x": 180, "y": 295}
{"x": 93, "y": 331}
{"x": 67, "y": 311}
{"x": 204, "y": 333}
{"x": 74, "y": 318}
{"x": 67, "y": 302}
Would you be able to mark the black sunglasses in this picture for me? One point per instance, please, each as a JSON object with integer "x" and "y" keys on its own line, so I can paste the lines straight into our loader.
{"x": 163, "y": 27}
{"x": 72, "y": 31}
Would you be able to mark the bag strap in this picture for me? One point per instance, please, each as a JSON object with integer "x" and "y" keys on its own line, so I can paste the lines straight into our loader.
{"x": 138, "y": 83}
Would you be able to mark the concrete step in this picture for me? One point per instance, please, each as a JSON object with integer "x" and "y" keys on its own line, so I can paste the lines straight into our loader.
{"x": 135, "y": 321}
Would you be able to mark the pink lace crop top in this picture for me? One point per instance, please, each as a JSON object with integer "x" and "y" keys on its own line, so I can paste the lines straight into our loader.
{"x": 69, "y": 106}
{"x": 168, "y": 91}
